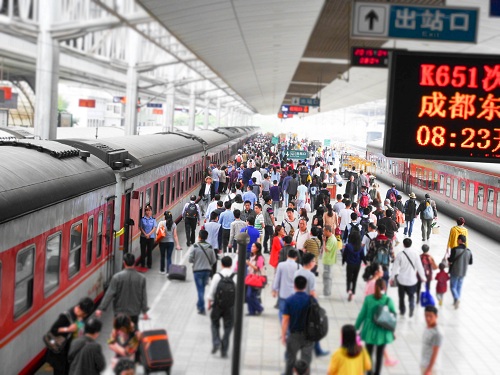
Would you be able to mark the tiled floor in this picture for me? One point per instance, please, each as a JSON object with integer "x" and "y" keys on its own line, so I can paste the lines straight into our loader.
{"x": 470, "y": 347}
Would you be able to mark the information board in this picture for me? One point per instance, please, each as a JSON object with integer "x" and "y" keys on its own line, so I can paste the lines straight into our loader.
{"x": 443, "y": 106}
{"x": 296, "y": 154}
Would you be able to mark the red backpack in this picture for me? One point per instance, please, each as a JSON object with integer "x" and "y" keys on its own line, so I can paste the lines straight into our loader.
{"x": 364, "y": 200}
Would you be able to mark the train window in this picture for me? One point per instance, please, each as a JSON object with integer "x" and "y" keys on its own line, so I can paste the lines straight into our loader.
{"x": 471, "y": 194}
{"x": 455, "y": 189}
{"x": 155, "y": 199}
{"x": 441, "y": 183}
{"x": 161, "y": 204}
{"x": 448, "y": 186}
{"x": 419, "y": 177}
{"x": 178, "y": 184}
{"x": 491, "y": 198}
{"x": 167, "y": 191}
{"x": 25, "y": 267}
{"x": 75, "y": 249}
{"x": 52, "y": 263}
{"x": 90, "y": 236}
{"x": 498, "y": 204}
{"x": 480, "y": 197}
{"x": 462, "y": 191}
{"x": 425, "y": 179}
{"x": 435, "y": 182}
{"x": 174, "y": 185}
{"x": 99, "y": 235}
{"x": 148, "y": 196}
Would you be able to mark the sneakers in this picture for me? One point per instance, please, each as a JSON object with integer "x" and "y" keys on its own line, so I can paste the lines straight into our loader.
{"x": 457, "y": 304}
{"x": 389, "y": 362}
{"x": 440, "y": 302}
{"x": 349, "y": 298}
{"x": 411, "y": 313}
{"x": 162, "y": 273}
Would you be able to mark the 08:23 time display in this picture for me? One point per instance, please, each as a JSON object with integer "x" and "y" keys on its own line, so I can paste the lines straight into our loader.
{"x": 470, "y": 138}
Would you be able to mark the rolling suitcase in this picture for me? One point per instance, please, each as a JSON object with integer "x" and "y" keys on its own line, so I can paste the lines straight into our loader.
{"x": 155, "y": 351}
{"x": 177, "y": 271}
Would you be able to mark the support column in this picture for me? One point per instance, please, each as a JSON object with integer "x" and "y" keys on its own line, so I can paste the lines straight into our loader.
{"x": 207, "y": 112}
{"x": 192, "y": 108}
{"x": 168, "y": 114}
{"x": 132, "y": 79}
{"x": 47, "y": 74}
{"x": 217, "y": 114}
{"x": 230, "y": 118}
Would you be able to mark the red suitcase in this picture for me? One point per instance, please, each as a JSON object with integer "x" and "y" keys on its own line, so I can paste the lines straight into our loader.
{"x": 155, "y": 351}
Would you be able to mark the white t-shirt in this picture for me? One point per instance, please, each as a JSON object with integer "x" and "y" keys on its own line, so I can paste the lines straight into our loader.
{"x": 301, "y": 192}
{"x": 258, "y": 177}
{"x": 345, "y": 217}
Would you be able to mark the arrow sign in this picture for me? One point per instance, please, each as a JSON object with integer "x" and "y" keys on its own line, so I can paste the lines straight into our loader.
{"x": 371, "y": 17}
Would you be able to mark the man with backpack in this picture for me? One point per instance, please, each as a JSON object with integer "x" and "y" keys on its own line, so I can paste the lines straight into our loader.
{"x": 364, "y": 198}
{"x": 428, "y": 213}
{"x": 391, "y": 227}
{"x": 410, "y": 211}
{"x": 221, "y": 299}
{"x": 392, "y": 194}
{"x": 293, "y": 325}
{"x": 381, "y": 251}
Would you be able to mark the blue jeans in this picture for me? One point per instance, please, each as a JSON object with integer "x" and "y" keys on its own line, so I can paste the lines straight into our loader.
{"x": 166, "y": 249}
{"x": 254, "y": 306}
{"x": 201, "y": 280}
{"x": 409, "y": 227}
{"x": 456, "y": 286}
{"x": 281, "y": 307}
{"x": 285, "y": 198}
{"x": 216, "y": 187}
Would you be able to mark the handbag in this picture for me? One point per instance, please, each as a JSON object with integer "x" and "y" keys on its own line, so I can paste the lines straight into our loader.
{"x": 338, "y": 232}
{"x": 256, "y": 281}
{"x": 161, "y": 233}
{"x": 444, "y": 261}
{"x": 426, "y": 298}
{"x": 394, "y": 282}
{"x": 57, "y": 343}
{"x": 384, "y": 318}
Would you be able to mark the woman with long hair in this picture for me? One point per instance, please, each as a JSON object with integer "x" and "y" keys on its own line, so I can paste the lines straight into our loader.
{"x": 372, "y": 334}
{"x": 277, "y": 245}
{"x": 238, "y": 203}
{"x": 255, "y": 266}
{"x": 303, "y": 214}
{"x": 124, "y": 339}
{"x": 351, "y": 358}
{"x": 330, "y": 217}
{"x": 353, "y": 255}
{"x": 167, "y": 243}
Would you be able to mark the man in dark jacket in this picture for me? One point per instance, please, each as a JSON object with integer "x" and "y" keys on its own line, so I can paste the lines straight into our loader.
{"x": 410, "y": 211}
{"x": 293, "y": 185}
{"x": 351, "y": 188}
{"x": 391, "y": 227}
{"x": 460, "y": 258}
{"x": 206, "y": 194}
{"x": 85, "y": 354}
{"x": 127, "y": 290}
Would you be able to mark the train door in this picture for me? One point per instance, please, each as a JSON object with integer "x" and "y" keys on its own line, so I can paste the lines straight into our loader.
{"x": 109, "y": 250}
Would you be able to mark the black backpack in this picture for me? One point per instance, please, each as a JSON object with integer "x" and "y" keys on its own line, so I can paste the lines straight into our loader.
{"x": 316, "y": 321}
{"x": 192, "y": 210}
{"x": 354, "y": 227}
{"x": 364, "y": 222}
{"x": 225, "y": 293}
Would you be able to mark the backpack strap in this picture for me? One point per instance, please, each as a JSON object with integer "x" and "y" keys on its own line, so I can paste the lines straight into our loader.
{"x": 409, "y": 260}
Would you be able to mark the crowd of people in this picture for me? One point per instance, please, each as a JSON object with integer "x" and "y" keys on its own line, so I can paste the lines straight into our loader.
{"x": 246, "y": 195}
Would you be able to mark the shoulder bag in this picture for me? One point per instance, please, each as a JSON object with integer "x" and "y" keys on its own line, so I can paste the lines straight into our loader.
{"x": 57, "y": 343}
{"x": 161, "y": 233}
{"x": 394, "y": 282}
{"x": 205, "y": 252}
{"x": 384, "y": 318}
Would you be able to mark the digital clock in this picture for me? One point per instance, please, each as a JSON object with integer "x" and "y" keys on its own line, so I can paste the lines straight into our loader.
{"x": 443, "y": 106}
{"x": 370, "y": 57}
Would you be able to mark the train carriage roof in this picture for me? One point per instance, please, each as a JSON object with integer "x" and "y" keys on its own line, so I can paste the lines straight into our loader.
{"x": 488, "y": 168}
{"x": 37, "y": 174}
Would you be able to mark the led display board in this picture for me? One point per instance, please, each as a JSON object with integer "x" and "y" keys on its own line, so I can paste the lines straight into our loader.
{"x": 370, "y": 57}
{"x": 443, "y": 106}
{"x": 294, "y": 108}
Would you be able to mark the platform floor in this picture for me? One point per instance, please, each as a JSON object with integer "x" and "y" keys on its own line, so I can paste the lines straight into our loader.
{"x": 471, "y": 342}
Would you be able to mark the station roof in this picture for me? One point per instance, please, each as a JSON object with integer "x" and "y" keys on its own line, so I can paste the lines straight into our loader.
{"x": 269, "y": 51}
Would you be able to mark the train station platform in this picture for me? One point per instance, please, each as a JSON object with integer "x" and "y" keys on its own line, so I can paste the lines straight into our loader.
{"x": 470, "y": 339}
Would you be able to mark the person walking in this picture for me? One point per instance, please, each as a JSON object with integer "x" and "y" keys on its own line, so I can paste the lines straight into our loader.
{"x": 372, "y": 334}
{"x": 191, "y": 213}
{"x": 432, "y": 340}
{"x": 269, "y": 222}
{"x": 353, "y": 255}
{"x": 167, "y": 242}
{"x": 351, "y": 188}
{"x": 455, "y": 231}
{"x": 330, "y": 245}
{"x": 428, "y": 213}
{"x": 459, "y": 260}
{"x": 279, "y": 234}
{"x": 429, "y": 265}
{"x": 410, "y": 211}
{"x": 381, "y": 251}
{"x": 206, "y": 194}
{"x": 128, "y": 292}
{"x": 406, "y": 267}
{"x": 236, "y": 226}
{"x": 225, "y": 220}
{"x": 283, "y": 280}
{"x": 293, "y": 325}
{"x": 147, "y": 225}
{"x": 351, "y": 358}
{"x": 85, "y": 354}
{"x": 221, "y": 299}
{"x": 69, "y": 323}
{"x": 255, "y": 266}
{"x": 442, "y": 278}
{"x": 203, "y": 258}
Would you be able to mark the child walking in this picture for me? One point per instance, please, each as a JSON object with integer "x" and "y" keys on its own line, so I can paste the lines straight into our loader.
{"x": 442, "y": 278}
